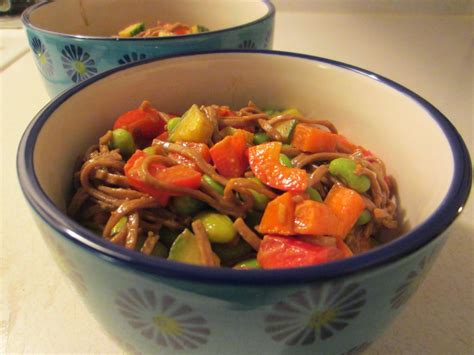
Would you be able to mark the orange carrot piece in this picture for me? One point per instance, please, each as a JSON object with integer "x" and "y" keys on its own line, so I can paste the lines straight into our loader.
{"x": 342, "y": 246}
{"x": 313, "y": 140}
{"x": 347, "y": 205}
{"x": 279, "y": 215}
{"x": 315, "y": 218}
{"x": 229, "y": 155}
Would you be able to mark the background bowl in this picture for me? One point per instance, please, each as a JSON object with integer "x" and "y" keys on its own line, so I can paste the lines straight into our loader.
{"x": 155, "y": 306}
{"x": 72, "y": 40}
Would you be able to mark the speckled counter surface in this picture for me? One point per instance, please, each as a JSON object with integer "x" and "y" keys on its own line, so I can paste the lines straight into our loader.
{"x": 429, "y": 52}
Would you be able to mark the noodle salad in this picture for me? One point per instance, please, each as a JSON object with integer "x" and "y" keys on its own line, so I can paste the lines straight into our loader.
{"x": 247, "y": 188}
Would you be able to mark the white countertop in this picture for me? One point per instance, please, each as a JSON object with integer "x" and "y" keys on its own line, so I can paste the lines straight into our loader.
{"x": 430, "y": 53}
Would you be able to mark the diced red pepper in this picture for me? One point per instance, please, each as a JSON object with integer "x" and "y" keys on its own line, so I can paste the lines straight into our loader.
{"x": 200, "y": 148}
{"x": 144, "y": 123}
{"x": 278, "y": 252}
{"x": 163, "y": 136}
{"x": 265, "y": 164}
{"x": 229, "y": 156}
{"x": 178, "y": 175}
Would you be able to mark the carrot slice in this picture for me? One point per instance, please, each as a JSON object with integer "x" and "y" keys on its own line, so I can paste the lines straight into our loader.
{"x": 313, "y": 140}
{"x": 229, "y": 156}
{"x": 315, "y": 218}
{"x": 347, "y": 205}
{"x": 279, "y": 215}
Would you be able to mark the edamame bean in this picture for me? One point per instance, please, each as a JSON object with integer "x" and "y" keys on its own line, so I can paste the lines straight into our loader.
{"x": 186, "y": 205}
{"x": 284, "y": 160}
{"x": 259, "y": 138}
{"x": 219, "y": 227}
{"x": 119, "y": 225}
{"x": 314, "y": 194}
{"x": 123, "y": 140}
{"x": 214, "y": 184}
{"x": 247, "y": 264}
{"x": 364, "y": 218}
{"x": 260, "y": 201}
{"x": 344, "y": 169}
{"x": 172, "y": 123}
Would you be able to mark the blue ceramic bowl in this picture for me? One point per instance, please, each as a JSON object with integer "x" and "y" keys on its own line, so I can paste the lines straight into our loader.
{"x": 76, "y": 39}
{"x": 152, "y": 305}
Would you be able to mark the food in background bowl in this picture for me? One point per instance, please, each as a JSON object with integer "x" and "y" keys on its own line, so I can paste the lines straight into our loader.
{"x": 160, "y": 306}
{"x": 205, "y": 187}
{"x": 160, "y": 29}
{"x": 76, "y": 39}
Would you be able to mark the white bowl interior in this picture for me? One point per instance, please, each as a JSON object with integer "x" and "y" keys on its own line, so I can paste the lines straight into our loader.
{"x": 368, "y": 112}
{"x": 107, "y": 17}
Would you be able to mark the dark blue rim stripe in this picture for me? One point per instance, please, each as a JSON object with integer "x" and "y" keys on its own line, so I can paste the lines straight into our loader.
{"x": 25, "y": 18}
{"x": 436, "y": 224}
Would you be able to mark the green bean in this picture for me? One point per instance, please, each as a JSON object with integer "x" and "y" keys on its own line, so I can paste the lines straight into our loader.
{"x": 219, "y": 227}
{"x": 344, "y": 169}
{"x": 123, "y": 140}
{"x": 119, "y": 225}
{"x": 214, "y": 184}
{"x": 186, "y": 205}
{"x": 259, "y": 138}
{"x": 247, "y": 264}
{"x": 314, "y": 194}
{"x": 172, "y": 123}
{"x": 284, "y": 160}
{"x": 364, "y": 218}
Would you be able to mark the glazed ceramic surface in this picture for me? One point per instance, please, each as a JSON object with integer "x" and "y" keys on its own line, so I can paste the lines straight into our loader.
{"x": 76, "y": 39}
{"x": 151, "y": 305}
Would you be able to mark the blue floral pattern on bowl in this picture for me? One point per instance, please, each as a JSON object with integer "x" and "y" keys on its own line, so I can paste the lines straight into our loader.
{"x": 131, "y": 58}
{"x": 163, "y": 319}
{"x": 43, "y": 58}
{"x": 78, "y": 64}
{"x": 314, "y": 314}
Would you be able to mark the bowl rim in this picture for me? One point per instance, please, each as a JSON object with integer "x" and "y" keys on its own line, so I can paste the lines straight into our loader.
{"x": 436, "y": 223}
{"x": 25, "y": 18}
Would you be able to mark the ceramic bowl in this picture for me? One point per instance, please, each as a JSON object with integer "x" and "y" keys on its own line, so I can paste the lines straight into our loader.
{"x": 152, "y": 305}
{"x": 76, "y": 39}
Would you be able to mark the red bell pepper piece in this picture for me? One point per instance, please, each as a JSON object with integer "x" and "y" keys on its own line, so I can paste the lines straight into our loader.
{"x": 144, "y": 123}
{"x": 264, "y": 162}
{"x": 229, "y": 156}
{"x": 278, "y": 252}
{"x": 178, "y": 175}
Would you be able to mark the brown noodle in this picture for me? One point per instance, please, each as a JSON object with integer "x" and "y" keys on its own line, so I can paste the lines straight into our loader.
{"x": 103, "y": 195}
